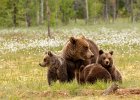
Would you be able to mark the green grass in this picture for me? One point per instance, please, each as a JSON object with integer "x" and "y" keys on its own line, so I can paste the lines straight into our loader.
{"x": 22, "y": 78}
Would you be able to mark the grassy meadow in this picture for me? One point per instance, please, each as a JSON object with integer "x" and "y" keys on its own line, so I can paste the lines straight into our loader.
{"x": 22, "y": 49}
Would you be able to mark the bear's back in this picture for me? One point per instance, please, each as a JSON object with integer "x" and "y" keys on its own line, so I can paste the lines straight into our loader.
{"x": 94, "y": 72}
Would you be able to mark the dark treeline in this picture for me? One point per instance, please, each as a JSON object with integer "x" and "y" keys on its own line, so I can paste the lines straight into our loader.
{"x": 40, "y": 12}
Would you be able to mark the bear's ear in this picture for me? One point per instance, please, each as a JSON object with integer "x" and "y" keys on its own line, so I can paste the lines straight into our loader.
{"x": 83, "y": 37}
{"x": 72, "y": 40}
{"x": 50, "y": 53}
{"x": 111, "y": 52}
{"x": 101, "y": 52}
{"x": 46, "y": 52}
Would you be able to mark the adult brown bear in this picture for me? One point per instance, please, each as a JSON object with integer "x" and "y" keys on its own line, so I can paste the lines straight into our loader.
{"x": 79, "y": 51}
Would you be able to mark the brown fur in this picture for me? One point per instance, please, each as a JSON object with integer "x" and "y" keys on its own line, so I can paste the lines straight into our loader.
{"x": 93, "y": 72}
{"x": 77, "y": 52}
{"x": 106, "y": 60}
{"x": 56, "y": 67}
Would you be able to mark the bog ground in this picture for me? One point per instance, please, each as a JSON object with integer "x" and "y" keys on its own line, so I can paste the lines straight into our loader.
{"x": 22, "y": 49}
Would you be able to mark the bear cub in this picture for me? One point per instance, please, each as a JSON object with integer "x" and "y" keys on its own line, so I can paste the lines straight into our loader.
{"x": 93, "y": 72}
{"x": 106, "y": 60}
{"x": 56, "y": 67}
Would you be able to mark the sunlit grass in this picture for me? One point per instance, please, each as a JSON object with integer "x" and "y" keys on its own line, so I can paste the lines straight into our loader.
{"x": 22, "y": 77}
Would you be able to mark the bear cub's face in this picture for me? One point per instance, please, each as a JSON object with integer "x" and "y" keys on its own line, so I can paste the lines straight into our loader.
{"x": 81, "y": 48}
{"x": 48, "y": 59}
{"x": 105, "y": 59}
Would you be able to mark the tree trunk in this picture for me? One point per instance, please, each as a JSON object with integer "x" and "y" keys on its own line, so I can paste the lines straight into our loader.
{"x": 129, "y": 7}
{"x": 14, "y": 14}
{"x": 37, "y": 12}
{"x": 48, "y": 18}
{"x": 56, "y": 11}
{"x": 114, "y": 9}
{"x": 28, "y": 20}
{"x": 117, "y": 8}
{"x": 105, "y": 12}
{"x": 63, "y": 12}
{"x": 42, "y": 11}
{"x": 27, "y": 16}
{"x": 75, "y": 10}
{"x": 132, "y": 12}
{"x": 37, "y": 17}
{"x": 111, "y": 89}
{"x": 63, "y": 16}
{"x": 86, "y": 9}
{"x": 75, "y": 18}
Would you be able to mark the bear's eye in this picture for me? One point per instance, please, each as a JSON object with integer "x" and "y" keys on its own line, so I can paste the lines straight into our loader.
{"x": 86, "y": 48}
{"x": 45, "y": 60}
{"x": 104, "y": 58}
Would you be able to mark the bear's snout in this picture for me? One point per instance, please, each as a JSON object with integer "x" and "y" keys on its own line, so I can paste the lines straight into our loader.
{"x": 107, "y": 62}
{"x": 89, "y": 54}
{"x": 92, "y": 55}
{"x": 42, "y": 64}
